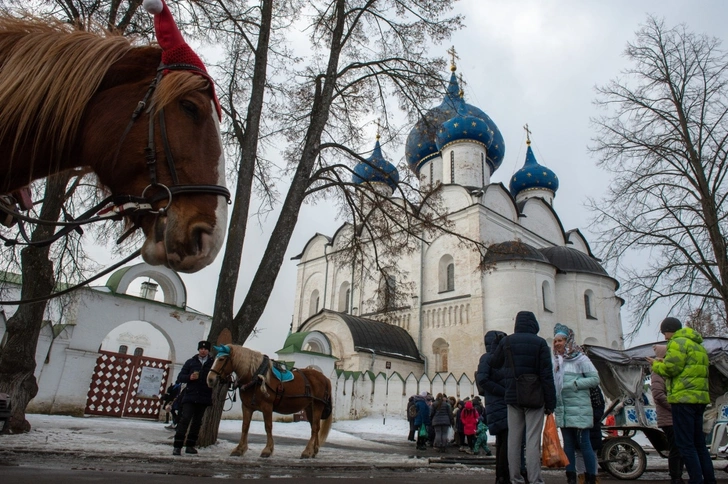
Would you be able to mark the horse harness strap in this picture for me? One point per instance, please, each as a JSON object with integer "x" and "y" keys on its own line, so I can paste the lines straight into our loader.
{"x": 254, "y": 380}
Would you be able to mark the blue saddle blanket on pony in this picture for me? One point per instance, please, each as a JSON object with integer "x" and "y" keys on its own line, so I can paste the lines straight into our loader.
{"x": 281, "y": 371}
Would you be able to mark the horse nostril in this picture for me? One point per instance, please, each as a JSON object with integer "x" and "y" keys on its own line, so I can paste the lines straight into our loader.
{"x": 200, "y": 238}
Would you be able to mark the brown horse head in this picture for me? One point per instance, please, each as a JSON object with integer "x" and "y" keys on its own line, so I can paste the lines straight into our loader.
{"x": 74, "y": 108}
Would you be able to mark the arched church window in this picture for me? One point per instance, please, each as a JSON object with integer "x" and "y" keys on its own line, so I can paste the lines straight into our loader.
{"x": 446, "y": 276}
{"x": 388, "y": 291}
{"x": 589, "y": 305}
{"x": 138, "y": 351}
{"x": 452, "y": 166}
{"x": 123, "y": 349}
{"x": 441, "y": 350}
{"x": 313, "y": 305}
{"x": 546, "y": 296}
{"x": 344, "y": 297}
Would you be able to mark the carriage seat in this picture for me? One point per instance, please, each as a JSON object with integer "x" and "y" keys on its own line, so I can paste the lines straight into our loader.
{"x": 281, "y": 371}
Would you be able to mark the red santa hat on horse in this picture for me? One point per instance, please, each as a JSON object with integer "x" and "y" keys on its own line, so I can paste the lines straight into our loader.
{"x": 175, "y": 51}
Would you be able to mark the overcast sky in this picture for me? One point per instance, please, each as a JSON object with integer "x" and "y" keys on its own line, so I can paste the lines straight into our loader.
{"x": 523, "y": 61}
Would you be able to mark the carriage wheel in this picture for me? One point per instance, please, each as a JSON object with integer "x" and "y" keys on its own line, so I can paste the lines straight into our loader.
{"x": 623, "y": 458}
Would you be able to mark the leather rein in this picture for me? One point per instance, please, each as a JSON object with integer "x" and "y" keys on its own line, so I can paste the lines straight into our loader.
{"x": 116, "y": 207}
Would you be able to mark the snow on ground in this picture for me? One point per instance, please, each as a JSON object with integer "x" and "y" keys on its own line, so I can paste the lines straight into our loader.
{"x": 366, "y": 440}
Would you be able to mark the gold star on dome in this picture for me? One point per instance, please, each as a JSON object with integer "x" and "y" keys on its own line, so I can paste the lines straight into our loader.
{"x": 528, "y": 175}
{"x": 419, "y": 145}
{"x": 456, "y": 125}
{"x": 473, "y": 124}
{"x": 545, "y": 174}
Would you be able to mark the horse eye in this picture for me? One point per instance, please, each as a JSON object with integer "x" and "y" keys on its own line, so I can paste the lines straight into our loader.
{"x": 190, "y": 109}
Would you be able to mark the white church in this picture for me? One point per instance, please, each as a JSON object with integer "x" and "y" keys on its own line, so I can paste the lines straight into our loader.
{"x": 533, "y": 264}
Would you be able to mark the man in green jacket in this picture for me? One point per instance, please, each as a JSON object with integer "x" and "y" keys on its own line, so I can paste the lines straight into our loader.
{"x": 685, "y": 370}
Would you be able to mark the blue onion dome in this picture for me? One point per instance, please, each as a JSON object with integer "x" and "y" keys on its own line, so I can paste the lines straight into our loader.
{"x": 376, "y": 169}
{"x": 464, "y": 127}
{"x": 421, "y": 143}
{"x": 533, "y": 175}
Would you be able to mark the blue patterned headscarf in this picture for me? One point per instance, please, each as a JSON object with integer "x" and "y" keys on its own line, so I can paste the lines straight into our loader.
{"x": 571, "y": 349}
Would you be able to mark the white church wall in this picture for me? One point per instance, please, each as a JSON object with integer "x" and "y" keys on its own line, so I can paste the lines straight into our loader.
{"x": 605, "y": 326}
{"x": 313, "y": 290}
{"x": 431, "y": 172}
{"x": 497, "y": 200}
{"x": 468, "y": 160}
{"x": 576, "y": 241}
{"x": 456, "y": 198}
{"x": 514, "y": 286}
{"x": 540, "y": 220}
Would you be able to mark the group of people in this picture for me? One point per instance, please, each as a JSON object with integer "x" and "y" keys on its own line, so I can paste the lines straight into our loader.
{"x": 432, "y": 418}
{"x": 569, "y": 387}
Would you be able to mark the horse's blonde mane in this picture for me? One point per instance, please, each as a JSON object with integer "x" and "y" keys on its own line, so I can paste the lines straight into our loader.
{"x": 246, "y": 363}
{"x": 48, "y": 73}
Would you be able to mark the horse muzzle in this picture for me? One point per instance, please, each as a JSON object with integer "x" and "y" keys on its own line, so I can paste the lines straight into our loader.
{"x": 182, "y": 247}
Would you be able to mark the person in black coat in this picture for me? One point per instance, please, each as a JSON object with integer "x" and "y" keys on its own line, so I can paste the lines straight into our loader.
{"x": 195, "y": 400}
{"x": 494, "y": 382}
{"x": 524, "y": 352}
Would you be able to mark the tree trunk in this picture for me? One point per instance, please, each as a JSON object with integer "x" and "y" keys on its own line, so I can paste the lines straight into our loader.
{"x": 213, "y": 415}
{"x": 17, "y": 359}
{"x": 222, "y": 318}
{"x": 260, "y": 289}
{"x": 227, "y": 281}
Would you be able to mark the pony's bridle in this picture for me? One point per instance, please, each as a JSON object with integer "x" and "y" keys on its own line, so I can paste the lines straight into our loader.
{"x": 117, "y": 206}
{"x": 222, "y": 370}
{"x": 134, "y": 207}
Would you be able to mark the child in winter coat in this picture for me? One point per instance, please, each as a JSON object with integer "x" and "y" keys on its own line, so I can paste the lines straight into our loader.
{"x": 481, "y": 439}
{"x": 469, "y": 417}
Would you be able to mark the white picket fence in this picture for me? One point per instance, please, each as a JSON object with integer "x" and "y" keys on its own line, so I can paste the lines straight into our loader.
{"x": 363, "y": 394}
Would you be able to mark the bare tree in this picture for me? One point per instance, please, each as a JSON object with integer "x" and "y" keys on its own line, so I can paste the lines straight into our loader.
{"x": 364, "y": 53}
{"x": 663, "y": 137}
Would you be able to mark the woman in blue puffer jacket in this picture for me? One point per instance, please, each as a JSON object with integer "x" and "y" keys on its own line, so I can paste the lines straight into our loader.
{"x": 422, "y": 419}
{"x": 574, "y": 376}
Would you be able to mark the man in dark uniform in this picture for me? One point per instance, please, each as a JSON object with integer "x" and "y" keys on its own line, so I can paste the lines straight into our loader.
{"x": 197, "y": 397}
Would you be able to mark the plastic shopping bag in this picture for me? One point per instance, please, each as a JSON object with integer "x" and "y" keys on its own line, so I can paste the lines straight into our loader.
{"x": 423, "y": 431}
{"x": 552, "y": 454}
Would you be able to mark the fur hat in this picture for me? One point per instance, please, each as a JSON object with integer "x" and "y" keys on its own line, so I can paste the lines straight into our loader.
{"x": 203, "y": 344}
{"x": 174, "y": 48}
{"x": 670, "y": 325}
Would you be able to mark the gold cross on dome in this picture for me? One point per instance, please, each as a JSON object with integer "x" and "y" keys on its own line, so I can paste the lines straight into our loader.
{"x": 528, "y": 134}
{"x": 378, "y": 122}
{"x": 453, "y": 56}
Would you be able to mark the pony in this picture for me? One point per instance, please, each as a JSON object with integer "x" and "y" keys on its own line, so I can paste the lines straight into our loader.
{"x": 260, "y": 389}
{"x": 73, "y": 99}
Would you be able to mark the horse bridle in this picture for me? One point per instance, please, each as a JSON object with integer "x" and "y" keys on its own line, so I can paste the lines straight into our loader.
{"x": 144, "y": 204}
{"x": 117, "y": 206}
{"x": 222, "y": 370}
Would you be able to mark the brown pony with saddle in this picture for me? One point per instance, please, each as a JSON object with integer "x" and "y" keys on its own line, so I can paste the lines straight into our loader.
{"x": 310, "y": 390}
{"x": 144, "y": 119}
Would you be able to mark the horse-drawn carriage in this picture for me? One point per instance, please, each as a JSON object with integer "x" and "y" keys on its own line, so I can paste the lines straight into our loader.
{"x": 624, "y": 375}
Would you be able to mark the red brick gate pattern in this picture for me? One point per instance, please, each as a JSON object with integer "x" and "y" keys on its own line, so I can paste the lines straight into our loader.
{"x": 113, "y": 390}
